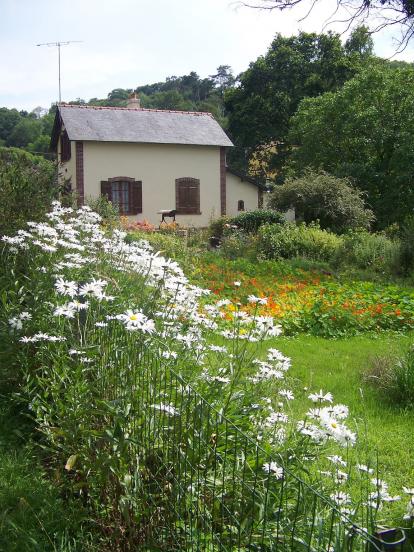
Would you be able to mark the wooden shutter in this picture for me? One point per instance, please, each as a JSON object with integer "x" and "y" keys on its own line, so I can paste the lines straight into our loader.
{"x": 135, "y": 195}
{"x": 64, "y": 147}
{"x": 187, "y": 196}
{"x": 106, "y": 190}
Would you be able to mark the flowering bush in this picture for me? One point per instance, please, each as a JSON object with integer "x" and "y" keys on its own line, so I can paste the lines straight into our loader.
{"x": 104, "y": 333}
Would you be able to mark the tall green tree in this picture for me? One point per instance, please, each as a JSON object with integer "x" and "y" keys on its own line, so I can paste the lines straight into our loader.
{"x": 269, "y": 92}
{"x": 364, "y": 131}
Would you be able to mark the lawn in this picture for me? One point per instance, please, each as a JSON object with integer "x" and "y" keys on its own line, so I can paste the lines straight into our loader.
{"x": 338, "y": 366}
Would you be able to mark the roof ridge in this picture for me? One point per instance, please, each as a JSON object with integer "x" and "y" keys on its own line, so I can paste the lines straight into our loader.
{"x": 115, "y": 108}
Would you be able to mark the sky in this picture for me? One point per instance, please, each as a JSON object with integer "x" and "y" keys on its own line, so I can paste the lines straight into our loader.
{"x": 128, "y": 43}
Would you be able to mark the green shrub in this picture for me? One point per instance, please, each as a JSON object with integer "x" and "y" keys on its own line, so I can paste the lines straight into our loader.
{"x": 325, "y": 198}
{"x": 250, "y": 221}
{"x": 394, "y": 378}
{"x": 374, "y": 251}
{"x": 106, "y": 209}
{"x": 27, "y": 188}
{"x": 239, "y": 244}
{"x": 217, "y": 227}
{"x": 288, "y": 241}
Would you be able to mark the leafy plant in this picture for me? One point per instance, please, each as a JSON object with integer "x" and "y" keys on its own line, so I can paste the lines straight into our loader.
{"x": 365, "y": 250}
{"x": 27, "y": 188}
{"x": 319, "y": 196}
{"x": 276, "y": 241}
{"x": 250, "y": 221}
{"x": 394, "y": 377}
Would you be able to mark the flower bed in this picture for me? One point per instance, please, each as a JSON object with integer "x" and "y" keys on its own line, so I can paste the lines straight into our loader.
{"x": 313, "y": 302}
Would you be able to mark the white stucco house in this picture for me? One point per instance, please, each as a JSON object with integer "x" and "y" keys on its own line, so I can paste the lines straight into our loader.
{"x": 148, "y": 160}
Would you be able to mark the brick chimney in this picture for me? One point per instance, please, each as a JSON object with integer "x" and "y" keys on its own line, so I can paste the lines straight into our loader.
{"x": 133, "y": 102}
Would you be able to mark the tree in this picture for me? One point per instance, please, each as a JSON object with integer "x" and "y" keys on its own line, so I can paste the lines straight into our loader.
{"x": 384, "y": 13}
{"x": 8, "y": 120}
{"x": 27, "y": 130}
{"x": 365, "y": 131}
{"x": 269, "y": 92}
{"x": 27, "y": 187}
{"x": 320, "y": 196}
{"x": 223, "y": 79}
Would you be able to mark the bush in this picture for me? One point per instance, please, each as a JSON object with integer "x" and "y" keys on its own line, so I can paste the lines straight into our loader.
{"x": 374, "y": 251}
{"x": 288, "y": 241}
{"x": 218, "y": 226}
{"x": 239, "y": 244}
{"x": 394, "y": 378}
{"x": 106, "y": 209}
{"x": 325, "y": 198}
{"x": 250, "y": 221}
{"x": 27, "y": 188}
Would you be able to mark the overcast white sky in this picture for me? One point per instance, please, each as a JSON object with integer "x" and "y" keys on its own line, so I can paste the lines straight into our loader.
{"x": 127, "y": 43}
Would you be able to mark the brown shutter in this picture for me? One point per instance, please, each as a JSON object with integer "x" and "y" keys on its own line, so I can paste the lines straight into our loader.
{"x": 135, "y": 189}
{"x": 65, "y": 152}
{"x": 106, "y": 190}
{"x": 188, "y": 196}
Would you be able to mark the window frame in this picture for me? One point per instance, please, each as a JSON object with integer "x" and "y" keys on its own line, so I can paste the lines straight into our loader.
{"x": 187, "y": 182}
{"x": 240, "y": 205}
{"x": 134, "y": 193}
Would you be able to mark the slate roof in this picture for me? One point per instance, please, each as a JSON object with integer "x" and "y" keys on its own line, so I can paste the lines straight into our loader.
{"x": 121, "y": 124}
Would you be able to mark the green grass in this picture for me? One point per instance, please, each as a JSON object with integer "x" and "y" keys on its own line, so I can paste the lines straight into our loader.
{"x": 338, "y": 366}
{"x": 33, "y": 516}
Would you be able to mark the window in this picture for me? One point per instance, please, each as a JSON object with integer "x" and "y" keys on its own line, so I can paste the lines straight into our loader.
{"x": 187, "y": 196}
{"x": 64, "y": 147}
{"x": 125, "y": 193}
{"x": 240, "y": 205}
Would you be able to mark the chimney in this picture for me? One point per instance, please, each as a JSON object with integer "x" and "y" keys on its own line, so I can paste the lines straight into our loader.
{"x": 133, "y": 102}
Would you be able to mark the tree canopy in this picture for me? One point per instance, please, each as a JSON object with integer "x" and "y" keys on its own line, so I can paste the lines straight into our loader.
{"x": 365, "y": 131}
{"x": 307, "y": 65}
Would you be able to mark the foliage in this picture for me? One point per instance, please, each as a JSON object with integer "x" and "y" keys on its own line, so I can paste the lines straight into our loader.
{"x": 34, "y": 515}
{"x": 311, "y": 301}
{"x": 290, "y": 240}
{"x": 218, "y": 226}
{"x": 238, "y": 243}
{"x": 269, "y": 92}
{"x": 364, "y": 131}
{"x": 27, "y": 187}
{"x": 373, "y": 251}
{"x": 406, "y": 235}
{"x": 394, "y": 377}
{"x": 105, "y": 209}
{"x": 26, "y": 130}
{"x": 250, "y": 221}
{"x": 325, "y": 198}
{"x": 107, "y": 363}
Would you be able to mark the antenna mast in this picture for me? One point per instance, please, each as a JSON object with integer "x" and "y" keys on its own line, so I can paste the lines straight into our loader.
{"x": 58, "y": 45}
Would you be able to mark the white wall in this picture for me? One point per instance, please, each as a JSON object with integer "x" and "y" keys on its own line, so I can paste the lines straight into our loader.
{"x": 237, "y": 189}
{"x": 157, "y": 166}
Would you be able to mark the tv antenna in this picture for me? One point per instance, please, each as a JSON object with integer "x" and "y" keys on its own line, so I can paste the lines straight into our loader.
{"x": 58, "y": 45}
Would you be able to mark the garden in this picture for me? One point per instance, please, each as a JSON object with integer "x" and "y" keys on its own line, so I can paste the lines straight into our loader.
{"x": 170, "y": 407}
{"x": 163, "y": 390}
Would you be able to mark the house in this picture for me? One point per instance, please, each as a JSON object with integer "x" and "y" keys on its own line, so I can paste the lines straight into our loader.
{"x": 148, "y": 160}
